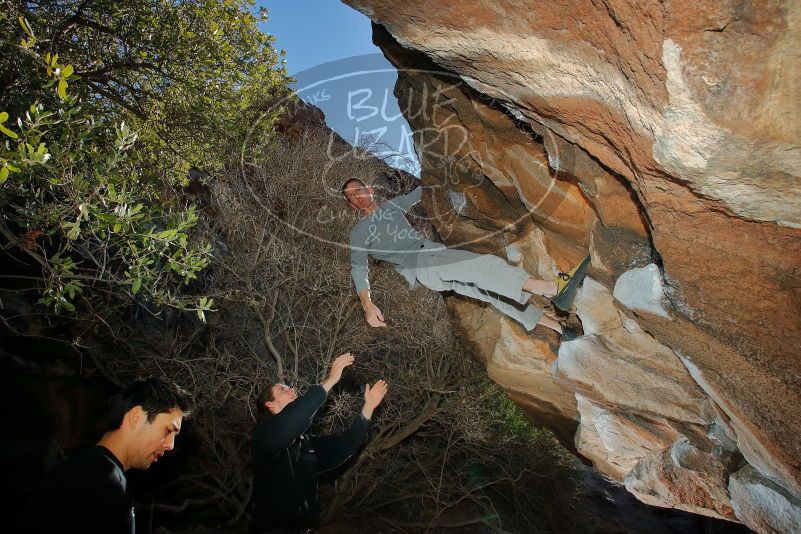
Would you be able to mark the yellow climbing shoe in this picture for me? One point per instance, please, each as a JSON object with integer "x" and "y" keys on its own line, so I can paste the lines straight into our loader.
{"x": 568, "y": 283}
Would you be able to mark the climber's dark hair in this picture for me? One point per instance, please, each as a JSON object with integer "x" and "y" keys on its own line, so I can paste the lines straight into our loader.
{"x": 154, "y": 395}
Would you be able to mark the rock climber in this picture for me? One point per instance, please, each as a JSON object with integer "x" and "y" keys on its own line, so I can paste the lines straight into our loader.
{"x": 385, "y": 234}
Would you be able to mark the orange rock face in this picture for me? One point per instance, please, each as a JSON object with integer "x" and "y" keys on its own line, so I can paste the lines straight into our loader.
{"x": 648, "y": 132}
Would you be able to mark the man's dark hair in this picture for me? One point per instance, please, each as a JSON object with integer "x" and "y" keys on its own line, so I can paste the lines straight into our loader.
{"x": 154, "y": 395}
{"x": 351, "y": 180}
{"x": 266, "y": 395}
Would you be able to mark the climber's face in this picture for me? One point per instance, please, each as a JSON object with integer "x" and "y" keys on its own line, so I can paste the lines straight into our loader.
{"x": 358, "y": 195}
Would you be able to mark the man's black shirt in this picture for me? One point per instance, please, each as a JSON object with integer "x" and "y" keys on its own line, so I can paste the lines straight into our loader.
{"x": 87, "y": 493}
{"x": 287, "y": 461}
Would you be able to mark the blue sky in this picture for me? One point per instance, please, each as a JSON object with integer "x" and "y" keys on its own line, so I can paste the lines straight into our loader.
{"x": 317, "y": 31}
{"x": 330, "y": 51}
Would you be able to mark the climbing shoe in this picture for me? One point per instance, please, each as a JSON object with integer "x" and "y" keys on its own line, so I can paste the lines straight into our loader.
{"x": 568, "y": 283}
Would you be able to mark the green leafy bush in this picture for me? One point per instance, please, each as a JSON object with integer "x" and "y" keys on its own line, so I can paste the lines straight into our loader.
{"x": 105, "y": 108}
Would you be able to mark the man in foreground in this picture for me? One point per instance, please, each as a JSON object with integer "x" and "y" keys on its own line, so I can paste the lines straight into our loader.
{"x": 385, "y": 234}
{"x": 287, "y": 460}
{"x": 88, "y": 493}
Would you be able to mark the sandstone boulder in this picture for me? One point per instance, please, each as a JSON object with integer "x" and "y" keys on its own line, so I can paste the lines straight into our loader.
{"x": 659, "y": 136}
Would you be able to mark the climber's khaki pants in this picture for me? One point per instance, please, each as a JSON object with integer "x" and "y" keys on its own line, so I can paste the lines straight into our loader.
{"x": 483, "y": 277}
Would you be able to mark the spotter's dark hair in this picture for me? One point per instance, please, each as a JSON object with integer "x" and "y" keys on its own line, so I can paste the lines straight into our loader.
{"x": 265, "y": 396}
{"x": 154, "y": 395}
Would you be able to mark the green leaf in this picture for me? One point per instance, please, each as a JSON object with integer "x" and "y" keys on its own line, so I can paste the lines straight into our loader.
{"x": 67, "y": 305}
{"x": 74, "y": 230}
{"x": 8, "y": 132}
{"x": 166, "y": 234}
{"x": 3, "y": 116}
{"x": 3, "y": 174}
{"x": 73, "y": 288}
{"x": 62, "y": 89}
{"x": 67, "y": 71}
{"x": 136, "y": 285}
{"x": 25, "y": 27}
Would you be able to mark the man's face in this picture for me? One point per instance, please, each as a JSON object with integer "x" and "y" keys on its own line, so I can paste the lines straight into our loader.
{"x": 359, "y": 196}
{"x": 153, "y": 439}
{"x": 283, "y": 395}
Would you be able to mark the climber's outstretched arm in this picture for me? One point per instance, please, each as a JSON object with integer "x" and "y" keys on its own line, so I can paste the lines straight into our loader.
{"x": 371, "y": 312}
{"x": 359, "y": 271}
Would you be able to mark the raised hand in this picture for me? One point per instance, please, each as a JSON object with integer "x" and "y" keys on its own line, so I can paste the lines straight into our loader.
{"x": 336, "y": 370}
{"x": 373, "y": 397}
{"x": 374, "y": 316}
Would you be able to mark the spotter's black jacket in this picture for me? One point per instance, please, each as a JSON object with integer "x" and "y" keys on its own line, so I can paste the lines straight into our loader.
{"x": 88, "y": 493}
{"x": 286, "y": 463}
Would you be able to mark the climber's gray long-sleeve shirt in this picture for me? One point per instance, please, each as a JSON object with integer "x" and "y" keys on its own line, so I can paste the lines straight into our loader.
{"x": 387, "y": 235}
